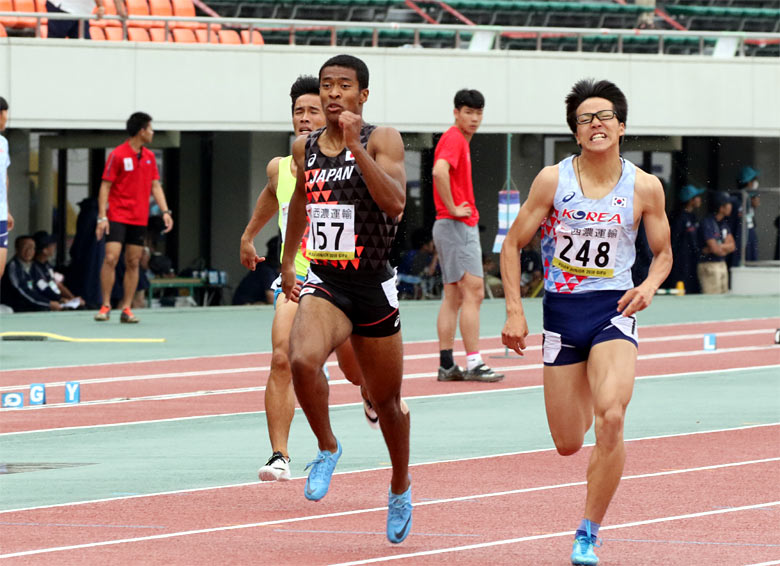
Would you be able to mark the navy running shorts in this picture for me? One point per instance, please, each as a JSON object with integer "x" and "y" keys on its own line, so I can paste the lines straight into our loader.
{"x": 575, "y": 322}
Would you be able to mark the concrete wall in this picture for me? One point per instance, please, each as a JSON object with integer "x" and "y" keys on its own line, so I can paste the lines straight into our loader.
{"x": 234, "y": 88}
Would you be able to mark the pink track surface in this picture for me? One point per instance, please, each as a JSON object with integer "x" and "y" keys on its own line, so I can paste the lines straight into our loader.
{"x": 664, "y": 350}
{"x": 714, "y": 497}
{"x": 349, "y": 523}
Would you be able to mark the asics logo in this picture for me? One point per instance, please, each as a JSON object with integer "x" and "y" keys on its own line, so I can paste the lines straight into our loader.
{"x": 312, "y": 159}
{"x": 568, "y": 197}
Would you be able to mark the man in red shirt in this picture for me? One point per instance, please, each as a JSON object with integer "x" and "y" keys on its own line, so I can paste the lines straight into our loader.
{"x": 129, "y": 178}
{"x": 456, "y": 236}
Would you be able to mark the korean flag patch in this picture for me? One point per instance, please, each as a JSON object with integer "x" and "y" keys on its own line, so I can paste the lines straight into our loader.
{"x": 619, "y": 201}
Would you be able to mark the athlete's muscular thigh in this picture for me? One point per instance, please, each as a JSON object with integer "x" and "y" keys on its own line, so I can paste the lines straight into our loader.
{"x": 611, "y": 370}
{"x": 569, "y": 406}
{"x": 319, "y": 327}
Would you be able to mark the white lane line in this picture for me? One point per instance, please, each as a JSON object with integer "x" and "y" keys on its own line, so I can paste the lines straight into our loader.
{"x": 765, "y": 563}
{"x": 173, "y": 396}
{"x": 671, "y": 327}
{"x": 554, "y": 535}
{"x": 262, "y": 369}
{"x": 367, "y": 470}
{"x": 427, "y": 503}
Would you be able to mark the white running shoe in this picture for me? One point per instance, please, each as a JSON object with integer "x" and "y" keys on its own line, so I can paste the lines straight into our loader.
{"x": 368, "y": 410}
{"x": 277, "y": 468}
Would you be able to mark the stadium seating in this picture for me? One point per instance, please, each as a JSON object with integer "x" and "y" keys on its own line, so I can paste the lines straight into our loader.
{"x": 8, "y": 21}
{"x": 3, "y": 33}
{"x": 110, "y": 10}
{"x": 140, "y": 8}
{"x": 137, "y": 34}
{"x": 25, "y": 6}
{"x": 732, "y": 18}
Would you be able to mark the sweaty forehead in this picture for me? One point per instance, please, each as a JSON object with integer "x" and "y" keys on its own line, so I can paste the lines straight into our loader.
{"x": 308, "y": 101}
{"x": 338, "y": 73}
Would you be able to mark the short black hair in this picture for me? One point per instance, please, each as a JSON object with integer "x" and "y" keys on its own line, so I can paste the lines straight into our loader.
{"x": 3, "y": 104}
{"x": 589, "y": 88}
{"x": 350, "y": 62}
{"x": 304, "y": 84}
{"x": 20, "y": 238}
{"x": 469, "y": 97}
{"x": 137, "y": 122}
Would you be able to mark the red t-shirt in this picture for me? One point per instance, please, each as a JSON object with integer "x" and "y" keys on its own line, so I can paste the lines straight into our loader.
{"x": 131, "y": 175}
{"x": 454, "y": 149}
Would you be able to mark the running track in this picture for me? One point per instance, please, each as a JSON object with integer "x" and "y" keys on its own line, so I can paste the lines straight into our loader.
{"x": 710, "y": 498}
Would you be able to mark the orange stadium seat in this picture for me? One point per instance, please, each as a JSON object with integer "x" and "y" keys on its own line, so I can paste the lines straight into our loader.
{"x": 203, "y": 36}
{"x": 229, "y": 36}
{"x": 137, "y": 34}
{"x": 257, "y": 37}
{"x": 7, "y": 6}
{"x": 184, "y": 35}
{"x": 25, "y": 6}
{"x": 2, "y": 31}
{"x": 113, "y": 34}
{"x": 158, "y": 35}
{"x": 185, "y": 9}
{"x": 139, "y": 8}
{"x": 110, "y": 10}
{"x": 97, "y": 33}
{"x": 40, "y": 6}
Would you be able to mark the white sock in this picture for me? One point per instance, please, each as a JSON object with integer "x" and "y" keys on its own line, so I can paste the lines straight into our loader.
{"x": 473, "y": 360}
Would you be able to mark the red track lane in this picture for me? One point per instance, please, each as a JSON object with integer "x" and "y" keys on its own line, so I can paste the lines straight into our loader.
{"x": 82, "y": 415}
{"x": 56, "y": 374}
{"x": 443, "y": 525}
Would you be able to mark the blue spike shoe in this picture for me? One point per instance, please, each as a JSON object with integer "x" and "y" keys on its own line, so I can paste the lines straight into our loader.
{"x": 399, "y": 516}
{"x": 321, "y": 471}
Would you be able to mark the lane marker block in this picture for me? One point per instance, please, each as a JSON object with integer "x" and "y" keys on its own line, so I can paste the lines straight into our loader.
{"x": 72, "y": 392}
{"x": 709, "y": 342}
{"x": 12, "y": 400}
{"x": 37, "y": 394}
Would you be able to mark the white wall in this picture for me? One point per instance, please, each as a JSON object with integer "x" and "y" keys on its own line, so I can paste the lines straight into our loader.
{"x": 78, "y": 84}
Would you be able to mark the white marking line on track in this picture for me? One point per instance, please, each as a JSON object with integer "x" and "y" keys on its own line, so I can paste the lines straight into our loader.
{"x": 765, "y": 563}
{"x": 200, "y": 373}
{"x": 352, "y": 472}
{"x": 555, "y": 535}
{"x": 427, "y": 503}
{"x": 335, "y": 382}
{"x": 217, "y": 356}
{"x": 251, "y": 369}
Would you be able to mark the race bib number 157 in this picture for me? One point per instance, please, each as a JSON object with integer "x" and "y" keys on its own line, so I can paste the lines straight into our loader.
{"x": 331, "y": 231}
{"x": 588, "y": 251}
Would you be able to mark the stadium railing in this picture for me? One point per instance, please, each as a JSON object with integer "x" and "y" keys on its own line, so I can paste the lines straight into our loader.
{"x": 384, "y": 34}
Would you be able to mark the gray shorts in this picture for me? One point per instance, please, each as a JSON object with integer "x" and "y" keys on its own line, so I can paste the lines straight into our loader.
{"x": 459, "y": 249}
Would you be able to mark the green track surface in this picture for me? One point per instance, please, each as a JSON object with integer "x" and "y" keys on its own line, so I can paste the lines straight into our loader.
{"x": 216, "y": 451}
{"x": 235, "y": 330}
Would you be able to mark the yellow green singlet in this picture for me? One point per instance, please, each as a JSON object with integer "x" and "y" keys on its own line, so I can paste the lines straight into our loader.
{"x": 285, "y": 186}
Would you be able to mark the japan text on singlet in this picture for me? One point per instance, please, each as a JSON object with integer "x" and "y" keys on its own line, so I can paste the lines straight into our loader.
{"x": 347, "y": 230}
{"x": 587, "y": 244}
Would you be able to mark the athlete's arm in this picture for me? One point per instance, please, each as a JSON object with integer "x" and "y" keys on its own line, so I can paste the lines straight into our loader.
{"x": 102, "y": 226}
{"x": 650, "y": 194}
{"x": 10, "y": 218}
{"x": 530, "y": 217}
{"x": 159, "y": 198}
{"x": 296, "y": 219}
{"x": 381, "y": 162}
{"x": 441, "y": 176}
{"x": 265, "y": 209}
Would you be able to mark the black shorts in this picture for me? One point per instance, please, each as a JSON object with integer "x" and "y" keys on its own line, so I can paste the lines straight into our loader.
{"x": 370, "y": 302}
{"x": 126, "y": 233}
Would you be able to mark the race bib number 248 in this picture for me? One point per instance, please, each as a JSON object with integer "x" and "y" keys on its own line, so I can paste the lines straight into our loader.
{"x": 588, "y": 251}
